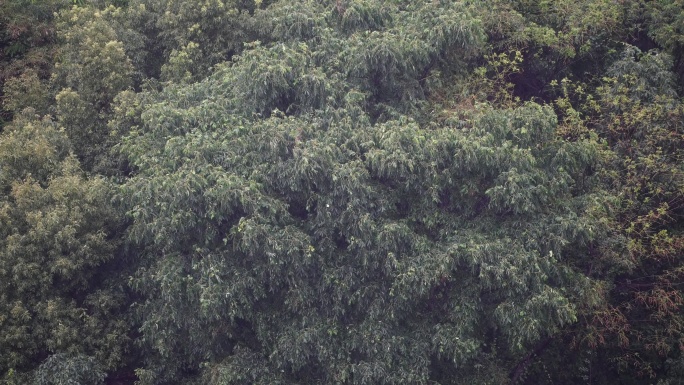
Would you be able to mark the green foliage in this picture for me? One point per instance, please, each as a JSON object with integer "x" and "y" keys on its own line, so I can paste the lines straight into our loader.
{"x": 642, "y": 122}
{"x": 635, "y": 323}
{"x": 61, "y": 369}
{"x": 642, "y": 77}
{"x": 667, "y": 24}
{"x": 560, "y": 39}
{"x": 27, "y": 52}
{"x": 57, "y": 229}
{"x": 665, "y": 20}
{"x": 25, "y": 91}
{"x": 347, "y": 192}
{"x": 34, "y": 150}
{"x": 333, "y": 244}
{"x": 93, "y": 61}
{"x": 93, "y": 69}
{"x": 199, "y": 34}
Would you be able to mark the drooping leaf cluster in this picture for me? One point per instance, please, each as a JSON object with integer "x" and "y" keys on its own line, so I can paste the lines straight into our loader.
{"x": 341, "y": 191}
{"x": 303, "y": 229}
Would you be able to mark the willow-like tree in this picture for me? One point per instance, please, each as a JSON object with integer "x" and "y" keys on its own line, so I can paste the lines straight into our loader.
{"x": 304, "y": 223}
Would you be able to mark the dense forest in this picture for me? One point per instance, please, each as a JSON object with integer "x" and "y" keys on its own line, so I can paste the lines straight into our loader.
{"x": 352, "y": 192}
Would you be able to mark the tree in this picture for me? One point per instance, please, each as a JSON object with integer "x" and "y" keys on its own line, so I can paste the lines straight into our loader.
{"x": 27, "y": 53}
{"x": 190, "y": 38}
{"x": 633, "y": 329}
{"x": 348, "y": 192}
{"x": 641, "y": 118}
{"x": 577, "y": 40}
{"x": 299, "y": 226}
{"x": 665, "y": 20}
{"x": 58, "y": 309}
{"x": 94, "y": 68}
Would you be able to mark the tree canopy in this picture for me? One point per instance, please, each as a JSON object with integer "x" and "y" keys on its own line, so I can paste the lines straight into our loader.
{"x": 341, "y": 192}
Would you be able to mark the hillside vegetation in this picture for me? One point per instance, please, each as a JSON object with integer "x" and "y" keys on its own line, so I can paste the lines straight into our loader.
{"x": 353, "y": 192}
